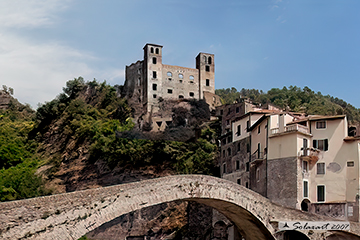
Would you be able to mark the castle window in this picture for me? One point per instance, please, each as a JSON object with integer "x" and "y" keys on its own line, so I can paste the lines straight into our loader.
{"x": 207, "y": 82}
{"x": 239, "y": 181}
{"x": 181, "y": 76}
{"x": 180, "y": 81}
{"x": 237, "y": 165}
{"x": 154, "y": 60}
{"x": 350, "y": 163}
{"x": 170, "y": 91}
{"x": 154, "y": 74}
{"x": 169, "y": 74}
{"x": 191, "y": 94}
{"x": 191, "y": 77}
{"x": 224, "y": 168}
{"x": 154, "y": 86}
{"x": 154, "y": 96}
{"x": 157, "y": 51}
{"x": 181, "y": 96}
{"x": 152, "y": 50}
{"x": 207, "y": 68}
{"x": 209, "y": 60}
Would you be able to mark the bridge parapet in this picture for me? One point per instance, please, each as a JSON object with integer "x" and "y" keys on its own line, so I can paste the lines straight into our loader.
{"x": 71, "y": 215}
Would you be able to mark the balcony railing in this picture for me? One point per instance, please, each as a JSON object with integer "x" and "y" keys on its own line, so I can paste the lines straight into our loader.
{"x": 291, "y": 128}
{"x": 257, "y": 155}
{"x": 309, "y": 154}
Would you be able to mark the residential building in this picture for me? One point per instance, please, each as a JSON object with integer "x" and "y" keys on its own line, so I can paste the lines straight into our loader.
{"x": 303, "y": 162}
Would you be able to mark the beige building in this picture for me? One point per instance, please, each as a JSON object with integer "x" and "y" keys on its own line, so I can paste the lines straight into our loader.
{"x": 149, "y": 82}
{"x": 304, "y": 162}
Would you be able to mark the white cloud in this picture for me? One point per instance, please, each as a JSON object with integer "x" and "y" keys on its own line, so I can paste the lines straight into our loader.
{"x": 30, "y": 13}
{"x": 38, "y": 69}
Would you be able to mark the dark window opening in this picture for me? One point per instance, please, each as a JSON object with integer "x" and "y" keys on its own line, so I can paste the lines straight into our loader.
{"x": 322, "y": 144}
{"x": 247, "y": 185}
{"x": 154, "y": 96}
{"x": 154, "y": 86}
{"x": 191, "y": 94}
{"x": 154, "y": 60}
{"x": 207, "y": 68}
{"x": 321, "y": 193}
{"x": 221, "y": 112}
{"x": 306, "y": 188}
{"x": 209, "y": 60}
{"x": 247, "y": 126}
{"x": 305, "y": 205}
{"x": 237, "y": 109}
{"x": 237, "y": 165}
{"x": 239, "y": 181}
{"x": 170, "y": 91}
{"x": 181, "y": 96}
{"x": 238, "y": 132}
{"x": 320, "y": 168}
{"x": 207, "y": 82}
{"x": 350, "y": 163}
{"x": 258, "y": 129}
{"x": 152, "y": 50}
{"x": 320, "y": 124}
{"x": 159, "y": 123}
{"x": 154, "y": 74}
{"x": 238, "y": 147}
{"x": 229, "y": 151}
{"x": 157, "y": 51}
{"x": 247, "y": 165}
{"x": 229, "y": 139}
{"x": 224, "y": 168}
{"x": 248, "y": 147}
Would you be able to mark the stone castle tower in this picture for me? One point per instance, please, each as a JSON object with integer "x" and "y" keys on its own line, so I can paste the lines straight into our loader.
{"x": 149, "y": 81}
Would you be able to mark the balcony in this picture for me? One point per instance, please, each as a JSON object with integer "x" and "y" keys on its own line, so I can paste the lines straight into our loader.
{"x": 290, "y": 128}
{"x": 257, "y": 156}
{"x": 309, "y": 154}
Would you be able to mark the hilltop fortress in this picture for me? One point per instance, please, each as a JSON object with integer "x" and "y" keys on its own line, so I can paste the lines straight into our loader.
{"x": 149, "y": 82}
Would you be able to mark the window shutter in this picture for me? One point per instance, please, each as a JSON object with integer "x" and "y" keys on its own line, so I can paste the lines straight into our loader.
{"x": 326, "y": 145}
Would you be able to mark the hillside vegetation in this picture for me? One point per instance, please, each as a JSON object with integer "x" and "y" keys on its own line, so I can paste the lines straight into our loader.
{"x": 76, "y": 138}
{"x": 295, "y": 98}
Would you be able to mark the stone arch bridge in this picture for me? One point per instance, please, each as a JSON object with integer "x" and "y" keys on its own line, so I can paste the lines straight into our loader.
{"x": 72, "y": 215}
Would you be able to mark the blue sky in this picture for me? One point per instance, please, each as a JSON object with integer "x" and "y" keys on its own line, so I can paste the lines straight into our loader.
{"x": 260, "y": 44}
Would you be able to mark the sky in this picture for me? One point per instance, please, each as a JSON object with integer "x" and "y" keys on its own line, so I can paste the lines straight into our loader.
{"x": 260, "y": 44}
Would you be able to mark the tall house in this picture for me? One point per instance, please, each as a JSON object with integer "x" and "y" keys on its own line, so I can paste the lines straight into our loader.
{"x": 149, "y": 81}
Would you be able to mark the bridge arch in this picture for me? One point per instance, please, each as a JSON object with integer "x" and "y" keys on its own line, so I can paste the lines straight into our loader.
{"x": 72, "y": 215}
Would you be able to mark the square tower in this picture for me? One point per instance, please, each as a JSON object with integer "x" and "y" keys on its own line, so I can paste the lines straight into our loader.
{"x": 206, "y": 66}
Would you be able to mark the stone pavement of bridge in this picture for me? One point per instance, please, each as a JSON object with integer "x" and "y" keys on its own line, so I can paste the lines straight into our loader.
{"x": 72, "y": 215}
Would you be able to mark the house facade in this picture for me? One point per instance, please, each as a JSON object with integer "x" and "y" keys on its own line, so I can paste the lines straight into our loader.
{"x": 303, "y": 162}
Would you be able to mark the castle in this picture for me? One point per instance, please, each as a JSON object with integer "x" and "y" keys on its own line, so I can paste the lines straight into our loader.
{"x": 148, "y": 82}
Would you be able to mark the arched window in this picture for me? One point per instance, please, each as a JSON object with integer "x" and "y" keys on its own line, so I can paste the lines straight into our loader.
{"x": 191, "y": 77}
{"x": 181, "y": 76}
{"x": 152, "y": 50}
{"x": 181, "y": 96}
{"x": 209, "y": 60}
{"x": 157, "y": 51}
{"x": 154, "y": 60}
{"x": 205, "y": 59}
{"x": 169, "y": 74}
